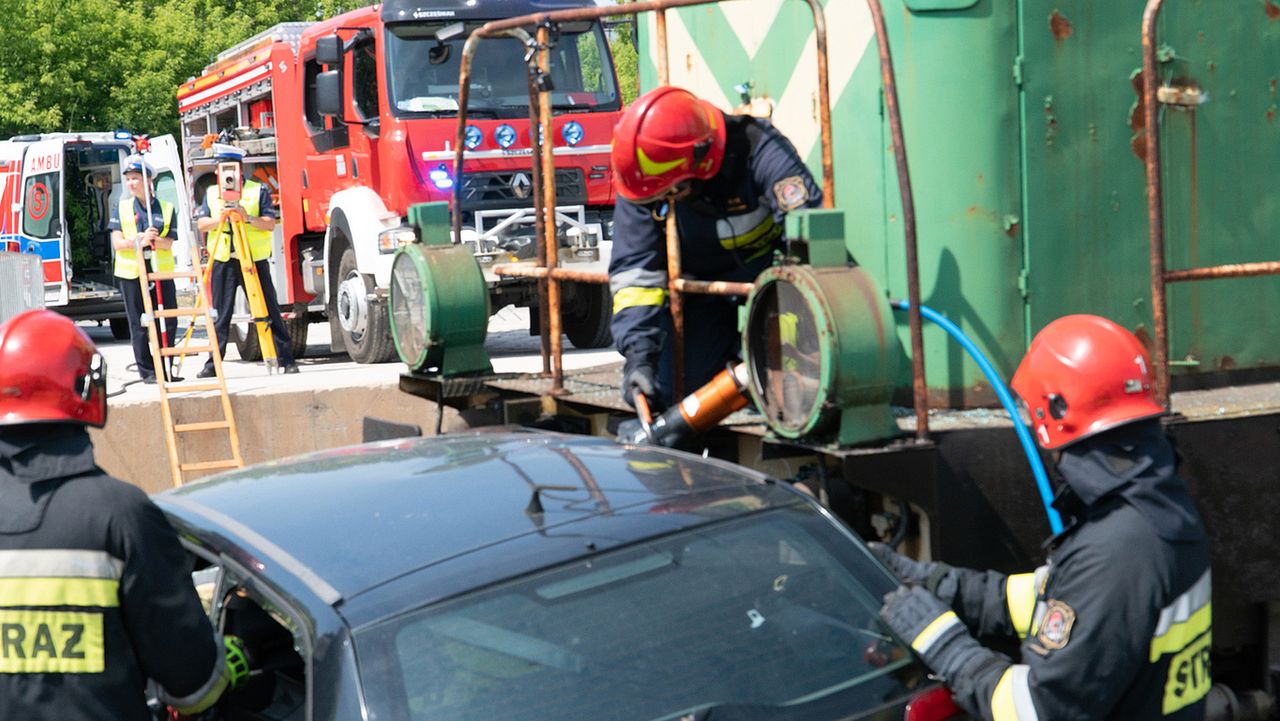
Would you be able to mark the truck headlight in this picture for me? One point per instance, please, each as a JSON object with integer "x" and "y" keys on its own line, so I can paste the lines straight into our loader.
{"x": 389, "y": 241}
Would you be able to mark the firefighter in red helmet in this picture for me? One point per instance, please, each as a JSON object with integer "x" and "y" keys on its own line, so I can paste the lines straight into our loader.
{"x": 731, "y": 180}
{"x": 95, "y": 595}
{"x": 1116, "y": 625}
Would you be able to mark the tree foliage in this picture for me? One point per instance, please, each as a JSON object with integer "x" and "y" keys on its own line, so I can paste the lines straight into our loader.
{"x": 70, "y": 65}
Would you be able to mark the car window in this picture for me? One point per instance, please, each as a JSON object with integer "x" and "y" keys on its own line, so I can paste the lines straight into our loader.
{"x": 276, "y": 689}
{"x": 772, "y": 610}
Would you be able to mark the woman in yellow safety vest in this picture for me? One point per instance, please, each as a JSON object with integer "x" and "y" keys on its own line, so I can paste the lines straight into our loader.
{"x": 259, "y": 213}
{"x": 133, "y": 223}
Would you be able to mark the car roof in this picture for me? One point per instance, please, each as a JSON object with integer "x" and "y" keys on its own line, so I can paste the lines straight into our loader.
{"x": 345, "y": 520}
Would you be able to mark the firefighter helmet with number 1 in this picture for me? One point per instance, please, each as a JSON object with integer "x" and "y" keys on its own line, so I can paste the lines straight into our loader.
{"x": 50, "y": 372}
{"x": 1084, "y": 375}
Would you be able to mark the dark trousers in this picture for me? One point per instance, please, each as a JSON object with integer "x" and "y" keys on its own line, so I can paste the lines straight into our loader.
{"x": 224, "y": 279}
{"x": 132, "y": 292}
{"x": 711, "y": 342}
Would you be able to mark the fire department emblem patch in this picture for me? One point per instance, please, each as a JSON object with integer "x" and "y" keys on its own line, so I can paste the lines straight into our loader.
{"x": 791, "y": 193}
{"x": 1055, "y": 630}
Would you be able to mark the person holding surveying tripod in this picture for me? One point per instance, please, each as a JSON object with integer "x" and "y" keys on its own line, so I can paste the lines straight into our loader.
{"x": 142, "y": 220}
{"x": 254, "y": 202}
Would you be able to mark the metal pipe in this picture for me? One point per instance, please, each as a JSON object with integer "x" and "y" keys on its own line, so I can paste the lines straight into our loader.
{"x": 675, "y": 300}
{"x": 539, "y": 219}
{"x": 918, "y": 386}
{"x": 550, "y": 239}
{"x": 664, "y": 64}
{"x": 824, "y": 106}
{"x": 460, "y": 137}
{"x": 1235, "y": 270}
{"x": 715, "y": 287}
{"x": 1155, "y": 199}
{"x": 527, "y": 271}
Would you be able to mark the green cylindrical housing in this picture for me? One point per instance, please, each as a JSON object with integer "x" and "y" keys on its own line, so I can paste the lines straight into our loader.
{"x": 439, "y": 309}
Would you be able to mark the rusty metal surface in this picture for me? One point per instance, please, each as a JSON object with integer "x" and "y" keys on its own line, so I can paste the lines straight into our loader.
{"x": 714, "y": 287}
{"x": 533, "y": 271}
{"x": 1155, "y": 202}
{"x": 550, "y": 247}
{"x": 675, "y": 301}
{"x": 1234, "y": 270}
{"x": 919, "y": 389}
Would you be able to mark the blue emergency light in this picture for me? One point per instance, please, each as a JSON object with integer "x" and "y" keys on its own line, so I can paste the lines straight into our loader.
{"x": 473, "y": 137}
{"x": 440, "y": 178}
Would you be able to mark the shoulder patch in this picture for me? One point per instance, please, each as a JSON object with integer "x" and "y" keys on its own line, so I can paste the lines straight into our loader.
{"x": 1055, "y": 629}
{"x": 791, "y": 193}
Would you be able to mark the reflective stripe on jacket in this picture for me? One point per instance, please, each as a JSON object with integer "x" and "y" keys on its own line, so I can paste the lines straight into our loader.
{"x": 127, "y": 260}
{"x": 259, "y": 240}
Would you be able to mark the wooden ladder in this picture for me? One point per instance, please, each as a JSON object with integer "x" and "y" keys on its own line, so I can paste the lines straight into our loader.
{"x": 160, "y": 357}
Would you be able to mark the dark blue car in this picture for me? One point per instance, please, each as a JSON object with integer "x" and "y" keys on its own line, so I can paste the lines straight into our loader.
{"x": 539, "y": 576}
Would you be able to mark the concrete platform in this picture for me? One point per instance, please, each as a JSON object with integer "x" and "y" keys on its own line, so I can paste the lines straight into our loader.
{"x": 323, "y": 406}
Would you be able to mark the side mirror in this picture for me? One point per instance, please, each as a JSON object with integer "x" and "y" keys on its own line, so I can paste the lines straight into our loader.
{"x": 373, "y": 128}
{"x": 329, "y": 50}
{"x": 329, "y": 93}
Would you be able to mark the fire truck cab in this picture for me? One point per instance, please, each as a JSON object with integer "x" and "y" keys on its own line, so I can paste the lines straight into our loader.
{"x": 355, "y": 119}
{"x": 57, "y": 191}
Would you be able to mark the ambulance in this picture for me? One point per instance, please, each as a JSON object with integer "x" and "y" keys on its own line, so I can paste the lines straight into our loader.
{"x": 56, "y": 195}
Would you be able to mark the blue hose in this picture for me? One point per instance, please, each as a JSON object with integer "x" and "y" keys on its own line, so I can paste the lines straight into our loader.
{"x": 1002, "y": 390}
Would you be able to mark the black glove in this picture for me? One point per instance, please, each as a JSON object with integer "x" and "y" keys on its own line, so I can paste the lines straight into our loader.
{"x": 932, "y": 629}
{"x": 640, "y": 377}
{"x": 936, "y": 578}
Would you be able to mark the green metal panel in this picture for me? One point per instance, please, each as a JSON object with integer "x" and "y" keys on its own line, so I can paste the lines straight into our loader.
{"x": 1086, "y": 223}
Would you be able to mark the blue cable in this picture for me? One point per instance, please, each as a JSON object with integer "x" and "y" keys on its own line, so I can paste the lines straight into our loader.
{"x": 1002, "y": 391}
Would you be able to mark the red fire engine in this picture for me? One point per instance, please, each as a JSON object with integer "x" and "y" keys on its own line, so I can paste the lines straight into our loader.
{"x": 344, "y": 181}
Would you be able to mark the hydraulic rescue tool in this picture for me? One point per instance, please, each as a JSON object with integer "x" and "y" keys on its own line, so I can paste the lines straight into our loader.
{"x": 697, "y": 413}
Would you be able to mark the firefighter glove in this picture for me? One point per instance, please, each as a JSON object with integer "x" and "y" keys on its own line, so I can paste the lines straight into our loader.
{"x": 932, "y": 629}
{"x": 237, "y": 660}
{"x": 936, "y": 578}
{"x": 640, "y": 377}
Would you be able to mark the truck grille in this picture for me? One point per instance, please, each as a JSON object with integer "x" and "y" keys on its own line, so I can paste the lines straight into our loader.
{"x": 483, "y": 191}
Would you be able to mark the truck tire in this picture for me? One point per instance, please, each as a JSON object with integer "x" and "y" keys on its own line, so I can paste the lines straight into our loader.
{"x": 586, "y": 318}
{"x": 368, "y": 339}
{"x": 119, "y": 328}
{"x": 246, "y": 338}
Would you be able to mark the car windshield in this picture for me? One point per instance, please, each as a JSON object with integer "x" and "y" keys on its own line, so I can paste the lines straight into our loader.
{"x": 772, "y": 615}
{"x": 423, "y": 72}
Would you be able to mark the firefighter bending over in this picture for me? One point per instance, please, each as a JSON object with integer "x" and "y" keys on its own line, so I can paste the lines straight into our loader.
{"x": 1117, "y": 624}
{"x": 732, "y": 180}
{"x": 95, "y": 596}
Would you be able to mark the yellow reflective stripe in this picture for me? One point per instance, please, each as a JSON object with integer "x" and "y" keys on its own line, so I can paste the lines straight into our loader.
{"x": 1181, "y": 634}
{"x": 763, "y": 233}
{"x": 634, "y": 297}
{"x": 648, "y": 166}
{"x": 1190, "y": 676}
{"x": 1011, "y": 700}
{"x": 101, "y": 592}
{"x": 926, "y": 638}
{"x": 1020, "y": 597}
{"x": 51, "y": 642}
{"x": 787, "y": 323}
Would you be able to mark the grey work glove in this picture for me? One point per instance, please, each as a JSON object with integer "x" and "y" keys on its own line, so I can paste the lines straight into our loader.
{"x": 936, "y": 578}
{"x": 932, "y": 630}
{"x": 640, "y": 377}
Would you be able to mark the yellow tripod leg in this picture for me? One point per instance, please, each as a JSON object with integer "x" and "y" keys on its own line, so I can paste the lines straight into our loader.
{"x": 253, "y": 294}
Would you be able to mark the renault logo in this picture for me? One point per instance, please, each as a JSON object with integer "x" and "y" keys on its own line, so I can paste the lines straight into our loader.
{"x": 520, "y": 185}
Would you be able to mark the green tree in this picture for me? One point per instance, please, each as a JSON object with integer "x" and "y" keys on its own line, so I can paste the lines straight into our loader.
{"x": 625, "y": 60}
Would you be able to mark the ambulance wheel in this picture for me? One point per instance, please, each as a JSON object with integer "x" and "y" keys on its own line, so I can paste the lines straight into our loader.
{"x": 366, "y": 325}
{"x": 119, "y": 328}
{"x": 587, "y": 315}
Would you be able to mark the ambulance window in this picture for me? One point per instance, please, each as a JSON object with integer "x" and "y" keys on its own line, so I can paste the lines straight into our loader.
{"x": 41, "y": 206}
{"x": 364, "y": 80}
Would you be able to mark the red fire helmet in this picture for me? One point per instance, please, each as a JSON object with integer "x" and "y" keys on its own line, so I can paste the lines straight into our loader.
{"x": 665, "y": 137}
{"x": 1081, "y": 376}
{"x": 50, "y": 372}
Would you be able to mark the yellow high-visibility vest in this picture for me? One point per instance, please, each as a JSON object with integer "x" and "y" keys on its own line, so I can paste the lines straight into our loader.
{"x": 259, "y": 240}
{"x": 127, "y": 260}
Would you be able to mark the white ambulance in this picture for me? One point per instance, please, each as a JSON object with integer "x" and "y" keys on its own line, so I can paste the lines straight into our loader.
{"x": 56, "y": 195}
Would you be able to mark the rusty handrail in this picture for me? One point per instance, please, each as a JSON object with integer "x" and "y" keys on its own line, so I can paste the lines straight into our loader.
{"x": 1160, "y": 275}
{"x": 919, "y": 388}
{"x": 678, "y": 284}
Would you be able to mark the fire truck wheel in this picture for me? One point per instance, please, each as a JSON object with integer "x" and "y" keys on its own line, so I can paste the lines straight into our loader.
{"x": 366, "y": 327}
{"x": 119, "y": 328}
{"x": 587, "y": 316}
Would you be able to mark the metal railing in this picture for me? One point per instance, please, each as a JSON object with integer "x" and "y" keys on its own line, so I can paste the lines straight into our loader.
{"x": 550, "y": 276}
{"x": 1160, "y": 275}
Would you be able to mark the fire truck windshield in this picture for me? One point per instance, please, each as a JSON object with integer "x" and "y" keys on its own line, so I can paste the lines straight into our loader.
{"x": 423, "y": 73}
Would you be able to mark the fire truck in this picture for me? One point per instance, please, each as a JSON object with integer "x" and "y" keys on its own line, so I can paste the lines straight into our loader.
{"x": 352, "y": 120}
{"x": 56, "y": 195}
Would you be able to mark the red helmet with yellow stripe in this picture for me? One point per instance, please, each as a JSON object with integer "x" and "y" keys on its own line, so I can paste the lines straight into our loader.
{"x": 667, "y": 136}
